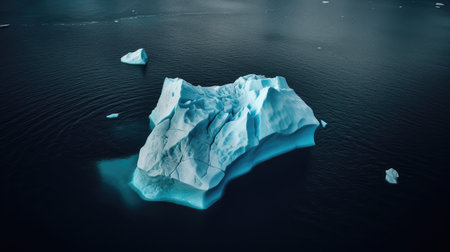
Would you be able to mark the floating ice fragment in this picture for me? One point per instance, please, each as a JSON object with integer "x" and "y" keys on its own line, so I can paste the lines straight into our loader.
{"x": 391, "y": 176}
{"x": 4, "y": 25}
{"x": 324, "y": 124}
{"x": 439, "y": 4}
{"x": 138, "y": 57}
{"x": 115, "y": 115}
{"x": 325, "y": 2}
{"x": 116, "y": 21}
{"x": 319, "y": 48}
{"x": 202, "y": 137}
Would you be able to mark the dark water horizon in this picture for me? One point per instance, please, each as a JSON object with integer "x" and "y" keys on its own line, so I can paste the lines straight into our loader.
{"x": 377, "y": 73}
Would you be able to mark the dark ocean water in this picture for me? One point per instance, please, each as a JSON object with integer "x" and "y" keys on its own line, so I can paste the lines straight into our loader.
{"x": 377, "y": 73}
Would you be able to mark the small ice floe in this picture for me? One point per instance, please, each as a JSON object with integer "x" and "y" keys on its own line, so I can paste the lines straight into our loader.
{"x": 115, "y": 115}
{"x": 138, "y": 57}
{"x": 319, "y": 48}
{"x": 324, "y": 124}
{"x": 439, "y": 4}
{"x": 400, "y": 6}
{"x": 4, "y": 25}
{"x": 325, "y": 2}
{"x": 391, "y": 176}
{"x": 116, "y": 21}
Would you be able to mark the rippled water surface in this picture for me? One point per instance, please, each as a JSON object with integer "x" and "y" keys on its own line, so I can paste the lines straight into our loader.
{"x": 378, "y": 73}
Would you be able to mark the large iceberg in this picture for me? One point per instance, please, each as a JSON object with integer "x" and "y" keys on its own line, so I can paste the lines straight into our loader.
{"x": 204, "y": 136}
{"x": 138, "y": 57}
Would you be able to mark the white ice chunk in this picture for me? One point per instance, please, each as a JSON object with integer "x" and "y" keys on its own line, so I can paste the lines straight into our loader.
{"x": 204, "y": 136}
{"x": 324, "y": 124}
{"x": 4, "y": 25}
{"x": 115, "y": 115}
{"x": 439, "y": 4}
{"x": 391, "y": 176}
{"x": 325, "y": 2}
{"x": 138, "y": 57}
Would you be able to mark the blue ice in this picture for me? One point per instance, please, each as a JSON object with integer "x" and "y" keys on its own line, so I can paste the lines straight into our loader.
{"x": 138, "y": 57}
{"x": 202, "y": 137}
{"x": 391, "y": 176}
{"x": 110, "y": 116}
{"x": 324, "y": 124}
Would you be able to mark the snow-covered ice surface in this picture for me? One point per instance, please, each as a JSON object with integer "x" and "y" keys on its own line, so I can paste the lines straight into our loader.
{"x": 391, "y": 176}
{"x": 138, "y": 57}
{"x": 110, "y": 116}
{"x": 204, "y": 136}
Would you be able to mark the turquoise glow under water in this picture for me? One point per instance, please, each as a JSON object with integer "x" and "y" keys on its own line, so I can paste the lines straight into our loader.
{"x": 118, "y": 172}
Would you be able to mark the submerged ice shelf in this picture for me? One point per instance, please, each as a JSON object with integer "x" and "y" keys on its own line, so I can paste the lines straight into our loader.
{"x": 204, "y": 136}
